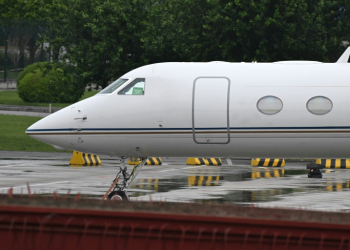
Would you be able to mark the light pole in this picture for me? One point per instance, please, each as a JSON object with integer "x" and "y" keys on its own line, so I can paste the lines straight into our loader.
{"x": 5, "y": 66}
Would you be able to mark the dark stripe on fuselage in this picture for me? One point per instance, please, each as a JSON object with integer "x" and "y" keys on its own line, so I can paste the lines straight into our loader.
{"x": 155, "y": 131}
{"x": 217, "y": 128}
{"x": 209, "y": 132}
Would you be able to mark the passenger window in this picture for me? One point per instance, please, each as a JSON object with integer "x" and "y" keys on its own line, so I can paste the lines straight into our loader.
{"x": 269, "y": 105}
{"x": 319, "y": 105}
{"x": 136, "y": 87}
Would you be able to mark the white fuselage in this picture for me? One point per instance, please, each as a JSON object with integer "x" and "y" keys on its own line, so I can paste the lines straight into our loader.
{"x": 210, "y": 110}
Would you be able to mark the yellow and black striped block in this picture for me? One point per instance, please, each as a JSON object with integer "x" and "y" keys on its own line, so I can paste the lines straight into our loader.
{"x": 133, "y": 161}
{"x": 276, "y": 173}
{"x": 334, "y": 163}
{"x": 154, "y": 161}
{"x": 204, "y": 161}
{"x": 337, "y": 186}
{"x": 268, "y": 162}
{"x": 82, "y": 159}
{"x": 148, "y": 184}
{"x": 150, "y": 161}
{"x": 204, "y": 180}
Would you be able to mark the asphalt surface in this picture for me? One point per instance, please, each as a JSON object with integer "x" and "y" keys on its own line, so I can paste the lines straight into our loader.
{"x": 175, "y": 181}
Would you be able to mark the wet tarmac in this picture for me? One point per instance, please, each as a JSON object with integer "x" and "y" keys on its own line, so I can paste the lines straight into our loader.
{"x": 175, "y": 181}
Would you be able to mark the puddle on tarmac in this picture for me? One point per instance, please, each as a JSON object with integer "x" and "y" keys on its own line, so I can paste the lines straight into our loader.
{"x": 247, "y": 196}
{"x": 219, "y": 184}
{"x": 216, "y": 179}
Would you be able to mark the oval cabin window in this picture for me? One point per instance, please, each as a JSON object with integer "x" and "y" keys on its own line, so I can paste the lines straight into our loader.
{"x": 319, "y": 105}
{"x": 269, "y": 105}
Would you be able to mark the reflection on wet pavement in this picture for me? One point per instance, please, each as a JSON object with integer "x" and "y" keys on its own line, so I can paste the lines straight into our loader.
{"x": 238, "y": 184}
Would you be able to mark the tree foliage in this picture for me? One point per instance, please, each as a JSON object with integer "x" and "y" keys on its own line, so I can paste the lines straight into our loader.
{"x": 48, "y": 82}
{"x": 248, "y": 30}
{"x": 104, "y": 39}
{"x": 22, "y": 21}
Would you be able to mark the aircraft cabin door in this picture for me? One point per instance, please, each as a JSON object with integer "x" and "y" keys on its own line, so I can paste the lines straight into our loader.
{"x": 210, "y": 110}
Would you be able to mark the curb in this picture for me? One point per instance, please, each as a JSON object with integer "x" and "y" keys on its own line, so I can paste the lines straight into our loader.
{"x": 38, "y": 109}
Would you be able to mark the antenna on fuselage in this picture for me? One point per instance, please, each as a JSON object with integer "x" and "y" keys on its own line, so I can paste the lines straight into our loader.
{"x": 345, "y": 56}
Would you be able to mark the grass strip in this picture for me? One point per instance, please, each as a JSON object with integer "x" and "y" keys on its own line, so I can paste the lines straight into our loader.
{"x": 12, "y": 98}
{"x": 13, "y": 137}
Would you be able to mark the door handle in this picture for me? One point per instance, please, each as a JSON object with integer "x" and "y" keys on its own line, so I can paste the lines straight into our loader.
{"x": 83, "y": 118}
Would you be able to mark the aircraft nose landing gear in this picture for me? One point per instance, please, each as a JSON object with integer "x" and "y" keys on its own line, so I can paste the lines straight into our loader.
{"x": 118, "y": 196}
{"x": 122, "y": 181}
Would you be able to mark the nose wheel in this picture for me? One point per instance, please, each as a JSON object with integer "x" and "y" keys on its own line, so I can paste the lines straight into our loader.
{"x": 123, "y": 179}
{"x": 118, "y": 196}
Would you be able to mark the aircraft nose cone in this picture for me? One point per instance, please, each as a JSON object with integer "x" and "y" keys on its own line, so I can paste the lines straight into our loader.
{"x": 30, "y": 130}
{"x": 51, "y": 129}
{"x": 39, "y": 130}
{"x": 40, "y": 126}
{"x": 59, "y": 128}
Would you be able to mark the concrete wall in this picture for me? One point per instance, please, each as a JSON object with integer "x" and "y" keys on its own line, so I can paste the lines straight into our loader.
{"x": 10, "y": 84}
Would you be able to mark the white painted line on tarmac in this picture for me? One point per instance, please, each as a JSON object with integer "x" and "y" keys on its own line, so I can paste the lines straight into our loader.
{"x": 168, "y": 170}
{"x": 36, "y": 185}
{"x": 13, "y": 165}
{"x": 174, "y": 169}
{"x": 194, "y": 167}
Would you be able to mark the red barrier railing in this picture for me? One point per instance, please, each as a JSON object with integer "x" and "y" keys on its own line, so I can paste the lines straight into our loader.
{"x": 72, "y": 223}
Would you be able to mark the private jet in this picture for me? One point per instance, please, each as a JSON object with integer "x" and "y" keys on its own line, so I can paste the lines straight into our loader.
{"x": 287, "y": 109}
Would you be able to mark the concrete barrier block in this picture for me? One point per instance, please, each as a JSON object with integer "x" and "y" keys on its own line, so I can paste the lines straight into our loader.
{"x": 83, "y": 159}
{"x": 334, "y": 163}
{"x": 204, "y": 161}
{"x": 150, "y": 161}
{"x": 267, "y": 162}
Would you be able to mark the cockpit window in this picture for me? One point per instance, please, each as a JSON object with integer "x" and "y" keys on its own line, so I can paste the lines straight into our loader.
{"x": 113, "y": 86}
{"x": 136, "y": 87}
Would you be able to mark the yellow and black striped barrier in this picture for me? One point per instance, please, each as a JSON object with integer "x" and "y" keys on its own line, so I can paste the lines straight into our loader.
{"x": 267, "y": 162}
{"x": 268, "y": 195}
{"x": 204, "y": 180}
{"x": 133, "y": 161}
{"x": 83, "y": 159}
{"x": 337, "y": 186}
{"x": 149, "y": 184}
{"x": 333, "y": 163}
{"x": 264, "y": 195}
{"x": 276, "y": 173}
{"x": 154, "y": 161}
{"x": 150, "y": 161}
{"x": 204, "y": 161}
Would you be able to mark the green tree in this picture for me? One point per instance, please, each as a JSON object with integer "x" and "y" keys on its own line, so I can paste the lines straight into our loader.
{"x": 246, "y": 30}
{"x": 101, "y": 38}
{"x": 24, "y": 21}
{"x": 104, "y": 39}
{"x": 48, "y": 82}
{"x": 174, "y": 30}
